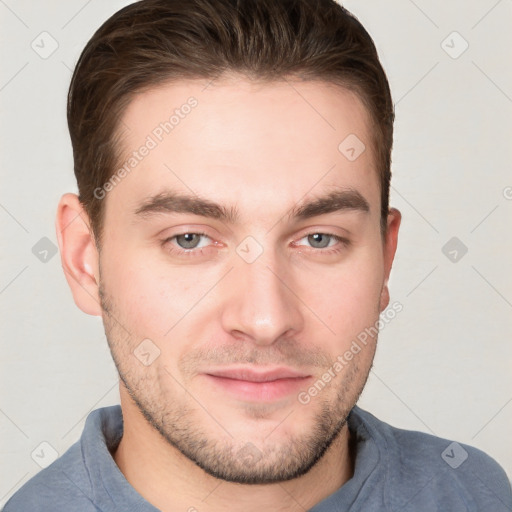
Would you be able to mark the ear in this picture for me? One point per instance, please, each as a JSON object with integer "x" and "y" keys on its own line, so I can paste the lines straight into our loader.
{"x": 79, "y": 255}
{"x": 390, "y": 243}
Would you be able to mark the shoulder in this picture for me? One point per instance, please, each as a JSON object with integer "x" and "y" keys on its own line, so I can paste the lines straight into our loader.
{"x": 77, "y": 479}
{"x": 62, "y": 486}
{"x": 425, "y": 470}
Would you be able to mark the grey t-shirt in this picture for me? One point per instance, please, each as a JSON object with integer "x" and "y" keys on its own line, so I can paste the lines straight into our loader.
{"x": 395, "y": 470}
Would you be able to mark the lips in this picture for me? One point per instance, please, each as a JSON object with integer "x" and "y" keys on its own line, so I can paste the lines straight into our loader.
{"x": 255, "y": 384}
{"x": 252, "y": 375}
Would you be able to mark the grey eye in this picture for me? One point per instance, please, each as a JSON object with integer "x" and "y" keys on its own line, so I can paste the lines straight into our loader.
{"x": 188, "y": 240}
{"x": 319, "y": 240}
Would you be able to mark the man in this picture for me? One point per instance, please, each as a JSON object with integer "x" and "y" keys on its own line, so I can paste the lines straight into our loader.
{"x": 233, "y": 231}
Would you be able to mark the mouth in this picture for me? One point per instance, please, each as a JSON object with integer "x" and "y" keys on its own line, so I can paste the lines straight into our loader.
{"x": 256, "y": 384}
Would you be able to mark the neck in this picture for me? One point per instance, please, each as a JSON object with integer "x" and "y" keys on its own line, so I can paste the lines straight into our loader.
{"x": 170, "y": 481}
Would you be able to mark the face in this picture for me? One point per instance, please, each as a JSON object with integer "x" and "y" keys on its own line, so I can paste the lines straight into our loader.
{"x": 242, "y": 255}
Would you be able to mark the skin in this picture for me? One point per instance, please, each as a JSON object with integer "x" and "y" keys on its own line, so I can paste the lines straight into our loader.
{"x": 262, "y": 149}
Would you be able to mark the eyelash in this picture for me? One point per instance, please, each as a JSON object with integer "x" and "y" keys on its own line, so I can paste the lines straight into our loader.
{"x": 199, "y": 252}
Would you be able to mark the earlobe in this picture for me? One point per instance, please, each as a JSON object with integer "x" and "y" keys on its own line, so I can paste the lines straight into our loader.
{"x": 79, "y": 255}
{"x": 390, "y": 245}
{"x": 384, "y": 297}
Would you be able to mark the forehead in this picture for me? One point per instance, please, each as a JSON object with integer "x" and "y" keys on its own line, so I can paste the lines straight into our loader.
{"x": 234, "y": 139}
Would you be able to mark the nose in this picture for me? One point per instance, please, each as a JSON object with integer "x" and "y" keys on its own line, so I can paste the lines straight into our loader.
{"x": 262, "y": 306}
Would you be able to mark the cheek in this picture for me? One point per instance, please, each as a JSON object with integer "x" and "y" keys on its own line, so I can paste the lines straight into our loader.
{"x": 348, "y": 300}
{"x": 143, "y": 296}
{"x": 154, "y": 300}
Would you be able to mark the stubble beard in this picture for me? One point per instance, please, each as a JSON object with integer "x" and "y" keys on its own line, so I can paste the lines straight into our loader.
{"x": 183, "y": 424}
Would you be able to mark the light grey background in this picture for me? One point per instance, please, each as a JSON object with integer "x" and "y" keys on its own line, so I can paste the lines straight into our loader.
{"x": 444, "y": 363}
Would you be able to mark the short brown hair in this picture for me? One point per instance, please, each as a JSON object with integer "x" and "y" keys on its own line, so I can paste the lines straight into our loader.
{"x": 153, "y": 41}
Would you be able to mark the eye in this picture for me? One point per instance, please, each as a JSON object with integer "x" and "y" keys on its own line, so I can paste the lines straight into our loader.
{"x": 189, "y": 240}
{"x": 187, "y": 244}
{"x": 321, "y": 240}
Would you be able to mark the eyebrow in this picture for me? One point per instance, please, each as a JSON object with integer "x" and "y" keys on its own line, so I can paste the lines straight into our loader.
{"x": 338, "y": 201}
{"x": 174, "y": 202}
